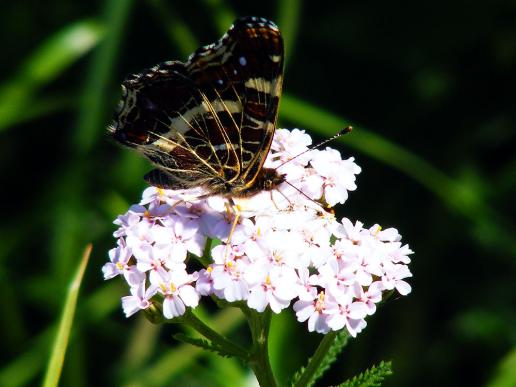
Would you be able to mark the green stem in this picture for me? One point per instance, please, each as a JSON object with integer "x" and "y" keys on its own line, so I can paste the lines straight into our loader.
{"x": 227, "y": 345}
{"x": 206, "y": 259}
{"x": 315, "y": 361}
{"x": 259, "y": 323}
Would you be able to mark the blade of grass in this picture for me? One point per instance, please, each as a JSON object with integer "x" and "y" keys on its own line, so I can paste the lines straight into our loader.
{"x": 68, "y": 229}
{"x": 489, "y": 227}
{"x": 177, "y": 31}
{"x": 171, "y": 363}
{"x": 289, "y": 17}
{"x": 95, "y": 308}
{"x": 91, "y": 116}
{"x": 42, "y": 107}
{"x": 55, "y": 364}
{"x": 505, "y": 374}
{"x": 221, "y": 13}
{"x": 140, "y": 345}
{"x": 12, "y": 320}
{"x": 45, "y": 64}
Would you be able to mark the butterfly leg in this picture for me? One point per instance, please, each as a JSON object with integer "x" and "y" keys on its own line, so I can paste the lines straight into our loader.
{"x": 282, "y": 194}
{"x": 233, "y": 209}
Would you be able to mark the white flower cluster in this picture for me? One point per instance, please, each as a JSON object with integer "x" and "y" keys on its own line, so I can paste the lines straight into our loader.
{"x": 285, "y": 247}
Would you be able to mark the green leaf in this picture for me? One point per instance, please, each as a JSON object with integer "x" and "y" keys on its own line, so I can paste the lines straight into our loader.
{"x": 289, "y": 17}
{"x": 22, "y": 369}
{"x": 56, "y": 361}
{"x": 45, "y": 64}
{"x": 373, "y": 377}
{"x": 325, "y": 355}
{"x": 505, "y": 375}
{"x": 176, "y": 29}
{"x": 95, "y": 105}
{"x": 204, "y": 344}
{"x": 172, "y": 362}
{"x": 221, "y": 13}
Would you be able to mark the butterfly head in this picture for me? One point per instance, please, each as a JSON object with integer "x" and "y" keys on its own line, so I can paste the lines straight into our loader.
{"x": 266, "y": 180}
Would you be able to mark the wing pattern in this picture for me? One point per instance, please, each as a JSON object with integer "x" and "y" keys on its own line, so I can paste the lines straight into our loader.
{"x": 209, "y": 121}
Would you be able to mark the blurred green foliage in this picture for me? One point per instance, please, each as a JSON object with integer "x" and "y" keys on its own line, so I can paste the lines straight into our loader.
{"x": 429, "y": 87}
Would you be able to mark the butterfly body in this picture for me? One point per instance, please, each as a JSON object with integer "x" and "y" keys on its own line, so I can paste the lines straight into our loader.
{"x": 209, "y": 122}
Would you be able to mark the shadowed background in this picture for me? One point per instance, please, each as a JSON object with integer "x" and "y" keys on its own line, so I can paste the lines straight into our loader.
{"x": 430, "y": 90}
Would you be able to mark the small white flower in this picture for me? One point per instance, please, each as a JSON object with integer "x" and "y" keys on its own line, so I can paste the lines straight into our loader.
{"x": 338, "y": 175}
{"x": 204, "y": 284}
{"x": 288, "y": 144}
{"x": 315, "y": 312}
{"x": 178, "y": 292}
{"x": 119, "y": 264}
{"x": 274, "y": 286}
{"x": 306, "y": 290}
{"x": 182, "y": 235}
{"x": 371, "y": 296}
{"x": 129, "y": 219}
{"x": 349, "y": 314}
{"x": 228, "y": 273}
{"x": 393, "y": 278}
{"x": 138, "y": 300}
{"x": 153, "y": 260}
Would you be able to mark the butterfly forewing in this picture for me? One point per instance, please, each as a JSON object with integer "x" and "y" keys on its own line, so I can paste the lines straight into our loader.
{"x": 209, "y": 121}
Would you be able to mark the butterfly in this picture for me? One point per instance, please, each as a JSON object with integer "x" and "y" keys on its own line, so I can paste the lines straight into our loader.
{"x": 209, "y": 122}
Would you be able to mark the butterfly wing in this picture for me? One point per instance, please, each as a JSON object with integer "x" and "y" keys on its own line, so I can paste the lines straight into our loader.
{"x": 250, "y": 75}
{"x": 159, "y": 109}
{"x": 210, "y": 121}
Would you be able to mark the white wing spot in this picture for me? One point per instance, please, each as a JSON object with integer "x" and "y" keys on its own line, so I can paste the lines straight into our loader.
{"x": 225, "y": 147}
{"x": 242, "y": 61}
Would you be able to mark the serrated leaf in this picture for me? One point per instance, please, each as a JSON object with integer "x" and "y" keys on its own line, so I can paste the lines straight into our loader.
{"x": 325, "y": 355}
{"x": 203, "y": 344}
{"x": 373, "y": 377}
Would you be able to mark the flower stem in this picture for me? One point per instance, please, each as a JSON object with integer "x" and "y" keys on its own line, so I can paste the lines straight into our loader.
{"x": 259, "y": 323}
{"x": 315, "y": 361}
{"x": 227, "y": 345}
{"x": 206, "y": 259}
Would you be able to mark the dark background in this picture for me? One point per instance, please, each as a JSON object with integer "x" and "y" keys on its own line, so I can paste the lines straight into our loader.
{"x": 430, "y": 89}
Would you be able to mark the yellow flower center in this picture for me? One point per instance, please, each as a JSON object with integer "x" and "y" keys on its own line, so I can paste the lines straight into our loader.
{"x": 319, "y": 305}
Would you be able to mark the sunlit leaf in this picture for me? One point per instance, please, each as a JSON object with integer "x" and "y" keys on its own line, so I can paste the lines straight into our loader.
{"x": 221, "y": 13}
{"x": 46, "y": 63}
{"x": 505, "y": 375}
{"x": 289, "y": 18}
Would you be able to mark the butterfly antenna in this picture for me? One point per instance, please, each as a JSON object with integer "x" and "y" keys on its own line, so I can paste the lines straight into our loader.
{"x": 346, "y": 130}
{"x": 302, "y": 193}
